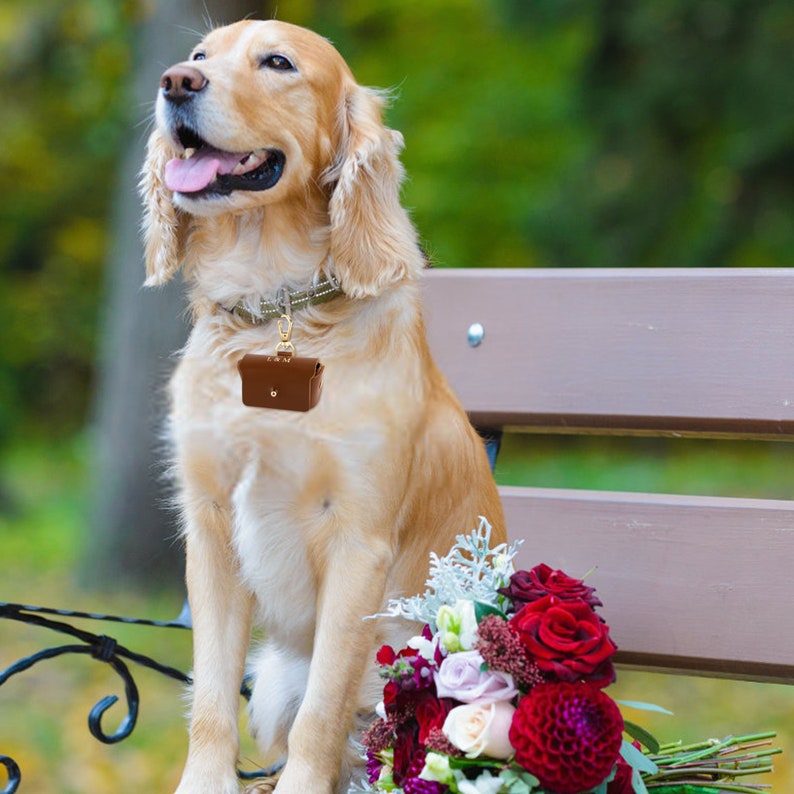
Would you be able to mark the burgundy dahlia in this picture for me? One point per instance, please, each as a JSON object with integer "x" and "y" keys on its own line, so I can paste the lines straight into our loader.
{"x": 568, "y": 735}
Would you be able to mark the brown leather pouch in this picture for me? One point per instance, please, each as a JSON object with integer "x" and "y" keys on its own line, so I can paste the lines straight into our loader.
{"x": 283, "y": 380}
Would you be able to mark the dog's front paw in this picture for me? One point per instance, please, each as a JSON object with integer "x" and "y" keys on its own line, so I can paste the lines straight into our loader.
{"x": 267, "y": 785}
{"x": 294, "y": 781}
{"x": 263, "y": 785}
{"x": 208, "y": 785}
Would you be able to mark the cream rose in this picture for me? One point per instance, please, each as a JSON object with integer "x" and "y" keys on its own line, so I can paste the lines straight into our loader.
{"x": 481, "y": 729}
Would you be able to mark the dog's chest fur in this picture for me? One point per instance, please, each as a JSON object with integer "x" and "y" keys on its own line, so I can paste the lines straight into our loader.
{"x": 291, "y": 482}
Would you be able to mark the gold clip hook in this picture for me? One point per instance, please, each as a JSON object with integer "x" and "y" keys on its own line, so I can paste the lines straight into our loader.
{"x": 285, "y": 332}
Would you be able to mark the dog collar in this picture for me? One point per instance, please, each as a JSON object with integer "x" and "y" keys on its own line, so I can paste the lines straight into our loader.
{"x": 326, "y": 288}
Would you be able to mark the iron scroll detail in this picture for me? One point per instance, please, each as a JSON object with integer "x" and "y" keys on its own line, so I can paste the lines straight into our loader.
{"x": 13, "y": 773}
{"x": 107, "y": 650}
{"x": 100, "y": 647}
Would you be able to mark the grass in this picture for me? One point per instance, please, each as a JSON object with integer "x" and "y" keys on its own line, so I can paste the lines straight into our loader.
{"x": 759, "y": 469}
{"x": 43, "y": 712}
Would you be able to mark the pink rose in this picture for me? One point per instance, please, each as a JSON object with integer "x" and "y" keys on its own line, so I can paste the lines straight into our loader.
{"x": 461, "y": 676}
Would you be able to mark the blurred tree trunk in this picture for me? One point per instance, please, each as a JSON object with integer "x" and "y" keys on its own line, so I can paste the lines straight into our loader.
{"x": 133, "y": 533}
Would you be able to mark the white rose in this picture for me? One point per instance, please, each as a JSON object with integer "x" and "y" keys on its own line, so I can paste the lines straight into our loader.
{"x": 481, "y": 729}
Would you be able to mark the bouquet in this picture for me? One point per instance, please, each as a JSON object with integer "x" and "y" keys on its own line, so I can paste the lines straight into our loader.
{"x": 502, "y": 692}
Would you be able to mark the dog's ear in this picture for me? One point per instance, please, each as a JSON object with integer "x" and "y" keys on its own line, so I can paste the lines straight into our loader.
{"x": 373, "y": 242}
{"x": 163, "y": 224}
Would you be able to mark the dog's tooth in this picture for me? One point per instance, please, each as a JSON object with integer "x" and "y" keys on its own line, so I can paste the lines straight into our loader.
{"x": 189, "y": 153}
{"x": 248, "y": 163}
{"x": 241, "y": 165}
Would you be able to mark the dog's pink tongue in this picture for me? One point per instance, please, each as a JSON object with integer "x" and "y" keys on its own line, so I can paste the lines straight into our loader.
{"x": 195, "y": 173}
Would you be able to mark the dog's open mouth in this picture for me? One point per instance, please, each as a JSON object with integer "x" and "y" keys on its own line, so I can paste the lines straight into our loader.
{"x": 207, "y": 171}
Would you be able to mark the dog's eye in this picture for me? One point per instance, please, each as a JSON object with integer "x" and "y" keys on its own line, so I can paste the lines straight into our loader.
{"x": 279, "y": 63}
{"x": 199, "y": 56}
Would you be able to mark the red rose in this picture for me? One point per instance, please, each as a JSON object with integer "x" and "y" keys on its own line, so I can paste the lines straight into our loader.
{"x": 567, "y": 640}
{"x": 431, "y": 713}
{"x": 528, "y": 586}
{"x": 567, "y": 735}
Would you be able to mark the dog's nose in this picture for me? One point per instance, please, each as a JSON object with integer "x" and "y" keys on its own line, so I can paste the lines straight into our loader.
{"x": 181, "y": 82}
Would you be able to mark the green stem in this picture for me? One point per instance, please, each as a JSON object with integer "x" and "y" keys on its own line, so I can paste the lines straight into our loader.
{"x": 708, "y": 770}
{"x": 700, "y": 768}
{"x": 716, "y": 788}
{"x": 676, "y": 755}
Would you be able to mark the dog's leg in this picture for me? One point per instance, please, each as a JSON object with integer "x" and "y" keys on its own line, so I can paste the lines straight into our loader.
{"x": 266, "y": 785}
{"x": 221, "y": 612}
{"x": 352, "y": 587}
{"x": 280, "y": 676}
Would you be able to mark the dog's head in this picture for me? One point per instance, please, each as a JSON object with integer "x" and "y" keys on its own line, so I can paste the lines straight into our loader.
{"x": 266, "y": 113}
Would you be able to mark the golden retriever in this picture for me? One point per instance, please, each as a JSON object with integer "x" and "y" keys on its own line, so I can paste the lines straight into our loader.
{"x": 270, "y": 174}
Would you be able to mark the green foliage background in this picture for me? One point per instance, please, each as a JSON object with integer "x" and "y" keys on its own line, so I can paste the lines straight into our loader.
{"x": 548, "y": 133}
{"x": 65, "y": 116}
{"x": 539, "y": 133}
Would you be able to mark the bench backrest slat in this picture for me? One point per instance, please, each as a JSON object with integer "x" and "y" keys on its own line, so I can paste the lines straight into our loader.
{"x": 655, "y": 350}
{"x": 691, "y": 584}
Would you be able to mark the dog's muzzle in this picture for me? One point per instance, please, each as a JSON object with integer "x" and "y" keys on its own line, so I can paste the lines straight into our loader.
{"x": 203, "y": 170}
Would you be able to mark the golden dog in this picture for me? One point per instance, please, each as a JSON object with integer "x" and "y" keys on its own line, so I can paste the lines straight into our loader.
{"x": 271, "y": 178}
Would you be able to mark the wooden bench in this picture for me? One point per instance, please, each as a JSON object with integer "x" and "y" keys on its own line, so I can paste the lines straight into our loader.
{"x": 693, "y": 584}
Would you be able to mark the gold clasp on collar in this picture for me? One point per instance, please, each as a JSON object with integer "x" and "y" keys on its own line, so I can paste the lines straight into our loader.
{"x": 285, "y": 346}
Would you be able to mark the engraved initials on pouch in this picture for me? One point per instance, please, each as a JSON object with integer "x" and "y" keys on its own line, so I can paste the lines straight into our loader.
{"x": 266, "y": 383}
